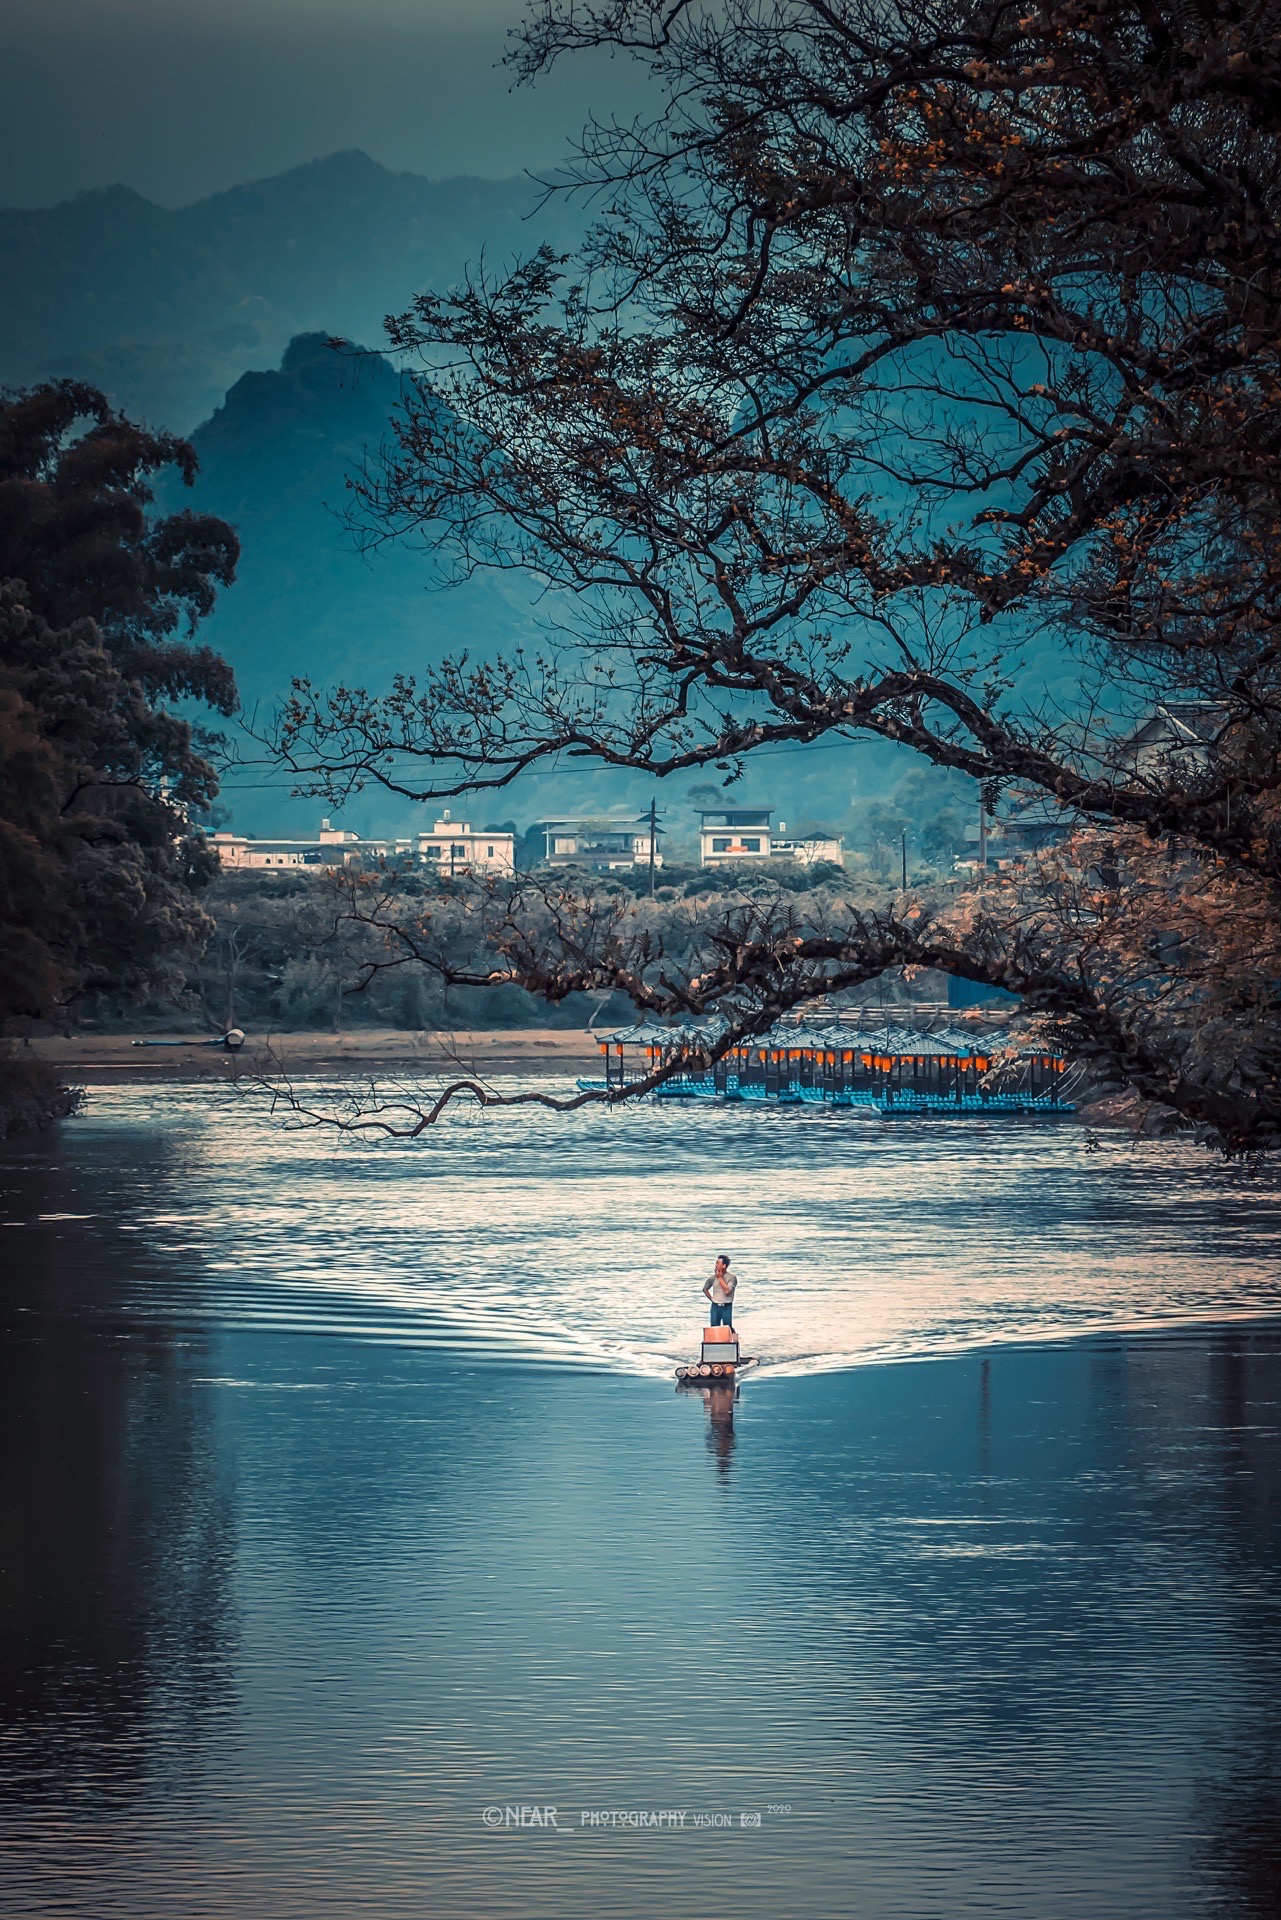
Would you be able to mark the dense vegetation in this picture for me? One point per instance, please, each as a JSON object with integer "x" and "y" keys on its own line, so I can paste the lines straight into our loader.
{"x": 297, "y": 952}
{"x": 100, "y": 870}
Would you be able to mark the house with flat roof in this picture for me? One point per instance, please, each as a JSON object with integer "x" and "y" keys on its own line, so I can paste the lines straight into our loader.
{"x": 455, "y": 846}
{"x": 727, "y": 835}
{"x": 333, "y": 847}
{"x": 602, "y": 842}
{"x": 450, "y": 847}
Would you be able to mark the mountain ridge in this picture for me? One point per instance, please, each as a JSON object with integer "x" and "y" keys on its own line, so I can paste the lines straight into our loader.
{"x": 165, "y": 308}
{"x": 216, "y": 320}
{"x": 274, "y": 460}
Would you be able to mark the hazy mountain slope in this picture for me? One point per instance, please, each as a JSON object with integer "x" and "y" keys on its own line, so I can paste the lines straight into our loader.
{"x": 273, "y": 461}
{"x": 165, "y": 309}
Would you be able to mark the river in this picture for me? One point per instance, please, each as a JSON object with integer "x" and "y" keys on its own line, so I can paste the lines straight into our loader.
{"x": 351, "y": 1520}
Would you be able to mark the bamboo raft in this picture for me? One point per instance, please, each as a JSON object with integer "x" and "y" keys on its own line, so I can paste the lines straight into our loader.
{"x": 721, "y": 1363}
{"x": 892, "y": 1070}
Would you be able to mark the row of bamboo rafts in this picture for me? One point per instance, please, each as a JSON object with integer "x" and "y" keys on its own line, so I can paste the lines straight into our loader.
{"x": 709, "y": 1370}
{"x": 870, "y": 1060}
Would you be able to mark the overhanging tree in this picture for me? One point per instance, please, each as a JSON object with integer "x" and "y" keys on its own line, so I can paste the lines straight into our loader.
{"x": 100, "y": 864}
{"x": 915, "y": 345}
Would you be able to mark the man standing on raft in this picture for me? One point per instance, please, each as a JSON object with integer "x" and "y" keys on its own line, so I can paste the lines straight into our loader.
{"x": 719, "y": 1289}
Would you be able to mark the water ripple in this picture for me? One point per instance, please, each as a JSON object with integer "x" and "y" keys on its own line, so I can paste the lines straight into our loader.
{"x": 582, "y": 1240}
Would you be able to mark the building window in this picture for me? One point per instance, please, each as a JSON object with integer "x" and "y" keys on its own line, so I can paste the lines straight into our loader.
{"x": 721, "y": 846}
{"x": 432, "y": 853}
{"x": 458, "y": 851}
{"x": 751, "y": 846}
{"x": 489, "y": 853}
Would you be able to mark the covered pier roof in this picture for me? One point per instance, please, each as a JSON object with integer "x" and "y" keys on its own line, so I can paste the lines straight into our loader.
{"x": 894, "y": 1042}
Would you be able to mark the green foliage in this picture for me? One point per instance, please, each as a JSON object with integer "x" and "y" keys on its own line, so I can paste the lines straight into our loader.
{"x": 879, "y": 834}
{"x": 942, "y": 837}
{"x": 99, "y": 869}
{"x": 744, "y": 877}
{"x": 98, "y": 872}
{"x": 32, "y": 1096}
{"x": 75, "y": 527}
{"x": 284, "y": 954}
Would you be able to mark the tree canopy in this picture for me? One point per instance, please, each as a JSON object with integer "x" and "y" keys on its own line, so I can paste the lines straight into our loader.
{"x": 76, "y": 527}
{"x": 916, "y": 347}
{"x": 100, "y": 780}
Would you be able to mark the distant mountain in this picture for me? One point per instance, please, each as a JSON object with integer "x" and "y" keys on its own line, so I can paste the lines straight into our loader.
{"x": 165, "y": 309}
{"x": 274, "y": 460}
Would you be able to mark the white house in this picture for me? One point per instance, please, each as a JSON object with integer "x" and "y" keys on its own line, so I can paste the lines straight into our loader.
{"x": 332, "y": 847}
{"x": 809, "y": 847}
{"x": 604, "y": 842}
{"x": 455, "y": 846}
{"x": 450, "y": 847}
{"x": 727, "y": 835}
{"x": 1172, "y": 742}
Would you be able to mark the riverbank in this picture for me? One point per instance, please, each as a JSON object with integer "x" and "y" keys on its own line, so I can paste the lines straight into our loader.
{"x": 111, "y": 1058}
{"x": 106, "y": 1059}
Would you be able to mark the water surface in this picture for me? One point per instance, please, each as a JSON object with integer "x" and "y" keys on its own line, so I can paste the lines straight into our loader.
{"x": 585, "y": 1238}
{"x": 344, "y": 1496}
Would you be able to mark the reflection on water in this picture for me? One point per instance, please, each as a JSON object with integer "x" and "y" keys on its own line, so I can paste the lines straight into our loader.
{"x": 115, "y": 1532}
{"x": 283, "y": 1611}
{"x": 719, "y": 1402}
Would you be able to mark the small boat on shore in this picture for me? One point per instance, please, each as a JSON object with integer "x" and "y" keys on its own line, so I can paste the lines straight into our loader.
{"x": 231, "y": 1041}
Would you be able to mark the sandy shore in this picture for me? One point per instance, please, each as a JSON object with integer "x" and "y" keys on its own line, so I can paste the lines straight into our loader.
{"x": 103, "y": 1058}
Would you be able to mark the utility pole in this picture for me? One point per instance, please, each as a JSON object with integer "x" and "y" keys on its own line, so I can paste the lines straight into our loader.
{"x": 653, "y": 835}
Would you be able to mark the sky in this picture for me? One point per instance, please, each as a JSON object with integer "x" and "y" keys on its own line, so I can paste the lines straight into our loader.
{"x": 183, "y": 98}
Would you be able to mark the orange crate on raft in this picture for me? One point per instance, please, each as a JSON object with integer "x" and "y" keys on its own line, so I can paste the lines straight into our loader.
{"x": 720, "y": 1343}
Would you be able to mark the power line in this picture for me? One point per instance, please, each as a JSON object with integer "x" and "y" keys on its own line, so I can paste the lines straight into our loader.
{"x": 584, "y": 770}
